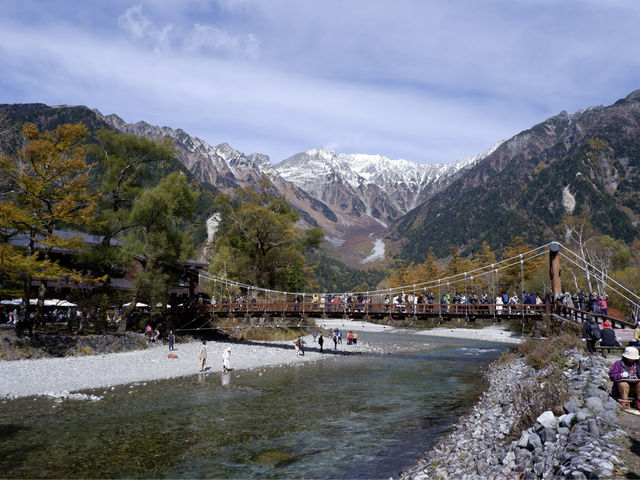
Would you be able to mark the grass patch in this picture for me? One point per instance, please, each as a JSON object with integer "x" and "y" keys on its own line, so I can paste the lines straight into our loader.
{"x": 85, "y": 350}
{"x": 543, "y": 353}
{"x": 540, "y": 354}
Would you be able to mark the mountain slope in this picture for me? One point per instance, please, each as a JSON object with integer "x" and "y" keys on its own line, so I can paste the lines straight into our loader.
{"x": 351, "y": 197}
{"x": 586, "y": 161}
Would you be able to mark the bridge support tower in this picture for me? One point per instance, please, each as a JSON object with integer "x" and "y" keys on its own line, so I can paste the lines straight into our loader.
{"x": 554, "y": 270}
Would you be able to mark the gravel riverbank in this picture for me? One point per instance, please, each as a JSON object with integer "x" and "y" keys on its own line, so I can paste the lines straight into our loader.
{"x": 60, "y": 376}
{"x": 579, "y": 442}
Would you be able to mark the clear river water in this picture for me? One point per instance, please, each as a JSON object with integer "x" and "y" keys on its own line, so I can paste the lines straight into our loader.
{"x": 352, "y": 416}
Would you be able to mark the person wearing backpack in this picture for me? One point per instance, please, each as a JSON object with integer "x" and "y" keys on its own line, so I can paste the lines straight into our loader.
{"x": 591, "y": 333}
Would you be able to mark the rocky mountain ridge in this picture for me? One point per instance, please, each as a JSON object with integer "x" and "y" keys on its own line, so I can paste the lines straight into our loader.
{"x": 384, "y": 188}
{"x": 588, "y": 161}
{"x": 352, "y": 197}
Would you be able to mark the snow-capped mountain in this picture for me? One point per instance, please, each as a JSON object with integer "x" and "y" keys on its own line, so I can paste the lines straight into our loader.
{"x": 385, "y": 188}
{"x": 352, "y": 197}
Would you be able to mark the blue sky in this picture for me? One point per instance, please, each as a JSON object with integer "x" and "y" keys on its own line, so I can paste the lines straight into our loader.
{"x": 425, "y": 80}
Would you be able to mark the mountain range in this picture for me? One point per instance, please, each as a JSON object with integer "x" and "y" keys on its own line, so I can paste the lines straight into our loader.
{"x": 369, "y": 205}
{"x": 351, "y": 197}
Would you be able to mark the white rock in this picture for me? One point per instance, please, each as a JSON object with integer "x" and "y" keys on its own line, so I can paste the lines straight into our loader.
{"x": 548, "y": 420}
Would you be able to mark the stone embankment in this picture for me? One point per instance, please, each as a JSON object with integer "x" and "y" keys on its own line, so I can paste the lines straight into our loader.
{"x": 579, "y": 442}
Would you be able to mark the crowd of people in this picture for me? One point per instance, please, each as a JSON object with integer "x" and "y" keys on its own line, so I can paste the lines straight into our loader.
{"x": 427, "y": 302}
{"x": 586, "y": 301}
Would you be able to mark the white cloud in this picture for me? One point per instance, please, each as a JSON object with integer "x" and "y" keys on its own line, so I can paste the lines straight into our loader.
{"x": 427, "y": 81}
{"x": 141, "y": 27}
{"x": 211, "y": 38}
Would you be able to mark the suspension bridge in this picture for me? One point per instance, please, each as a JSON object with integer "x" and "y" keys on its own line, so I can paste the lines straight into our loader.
{"x": 429, "y": 300}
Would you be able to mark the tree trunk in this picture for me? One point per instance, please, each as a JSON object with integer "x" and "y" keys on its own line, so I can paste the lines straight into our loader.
{"x": 122, "y": 328}
{"x": 39, "y": 314}
{"x": 24, "y": 312}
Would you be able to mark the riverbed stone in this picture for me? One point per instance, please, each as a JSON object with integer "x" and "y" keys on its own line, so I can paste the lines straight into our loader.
{"x": 608, "y": 418}
{"x": 566, "y": 420}
{"x": 534, "y": 442}
{"x": 595, "y": 392}
{"x": 594, "y": 404}
{"x": 572, "y": 405}
{"x": 521, "y": 454}
{"x": 611, "y": 404}
{"x": 548, "y": 420}
{"x": 582, "y": 414}
{"x": 547, "y": 435}
{"x": 592, "y": 426}
{"x": 524, "y": 440}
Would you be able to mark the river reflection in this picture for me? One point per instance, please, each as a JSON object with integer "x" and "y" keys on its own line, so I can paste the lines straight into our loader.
{"x": 356, "y": 416}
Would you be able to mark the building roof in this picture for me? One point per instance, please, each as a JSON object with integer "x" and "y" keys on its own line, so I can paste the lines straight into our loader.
{"x": 22, "y": 240}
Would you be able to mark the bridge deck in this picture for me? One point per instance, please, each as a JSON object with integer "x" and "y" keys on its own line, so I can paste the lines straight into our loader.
{"x": 370, "y": 310}
{"x": 399, "y": 311}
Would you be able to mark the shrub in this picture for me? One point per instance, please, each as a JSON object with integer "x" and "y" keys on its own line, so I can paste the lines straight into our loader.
{"x": 547, "y": 390}
{"x": 537, "y": 395}
{"x": 542, "y": 353}
{"x": 85, "y": 350}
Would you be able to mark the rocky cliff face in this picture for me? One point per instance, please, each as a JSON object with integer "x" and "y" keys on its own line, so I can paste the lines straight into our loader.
{"x": 588, "y": 161}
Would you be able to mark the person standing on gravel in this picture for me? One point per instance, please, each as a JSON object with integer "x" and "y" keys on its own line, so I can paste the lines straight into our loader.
{"x": 172, "y": 338}
{"x": 226, "y": 360}
{"x": 203, "y": 355}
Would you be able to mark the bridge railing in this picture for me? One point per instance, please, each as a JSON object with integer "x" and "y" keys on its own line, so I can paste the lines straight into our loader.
{"x": 580, "y": 316}
{"x": 361, "y": 309}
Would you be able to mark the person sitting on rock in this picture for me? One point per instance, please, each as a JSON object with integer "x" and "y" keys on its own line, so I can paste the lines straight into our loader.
{"x": 627, "y": 368}
{"x": 608, "y": 336}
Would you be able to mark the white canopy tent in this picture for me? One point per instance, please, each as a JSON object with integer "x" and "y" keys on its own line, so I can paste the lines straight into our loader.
{"x": 11, "y": 302}
{"x": 54, "y": 302}
{"x": 138, "y": 305}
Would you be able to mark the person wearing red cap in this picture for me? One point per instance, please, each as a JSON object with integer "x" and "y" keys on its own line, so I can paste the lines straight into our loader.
{"x": 608, "y": 336}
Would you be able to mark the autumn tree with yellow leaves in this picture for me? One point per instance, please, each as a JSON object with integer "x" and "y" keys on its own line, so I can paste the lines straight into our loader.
{"x": 44, "y": 186}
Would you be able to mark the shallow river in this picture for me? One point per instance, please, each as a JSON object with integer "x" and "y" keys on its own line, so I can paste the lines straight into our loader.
{"x": 356, "y": 416}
